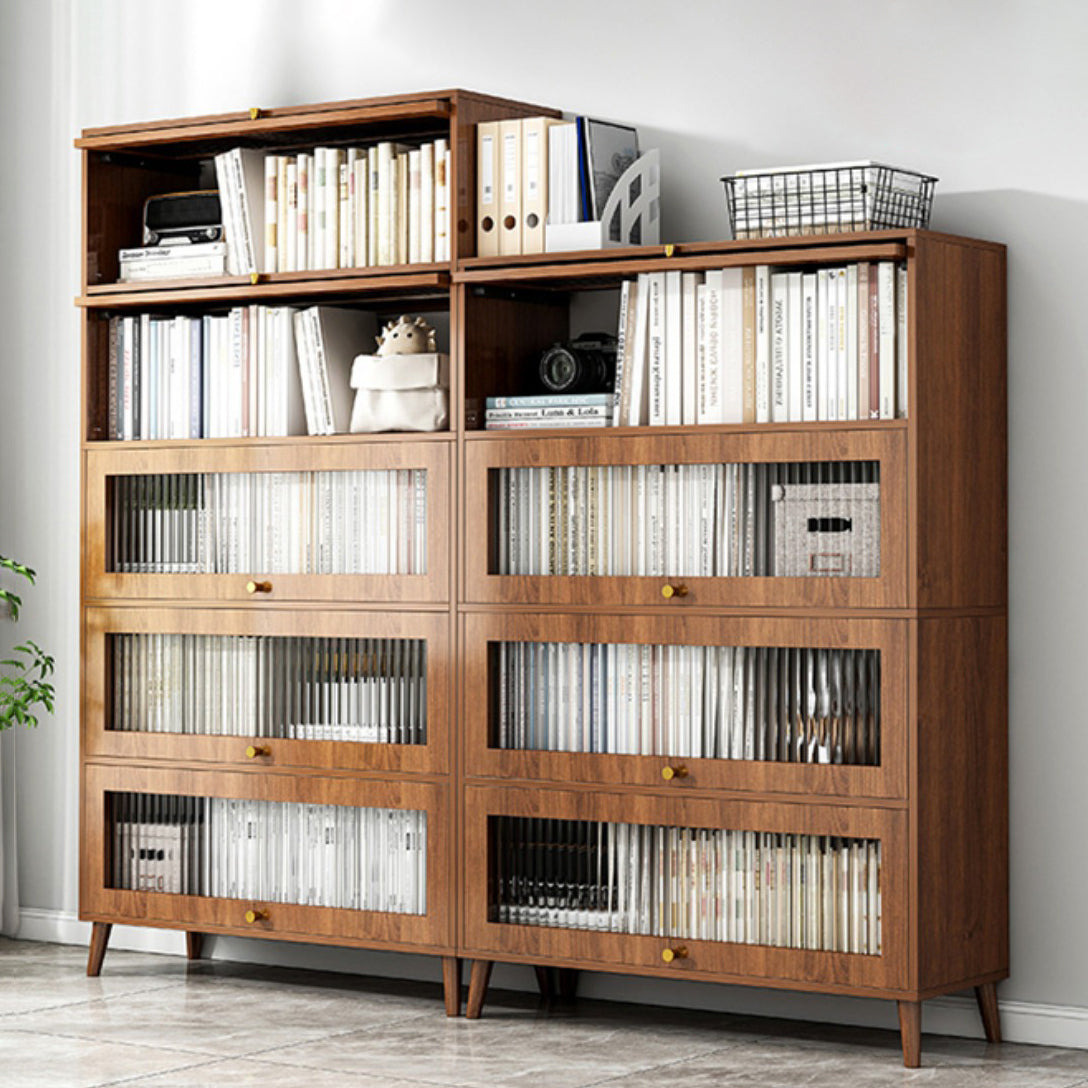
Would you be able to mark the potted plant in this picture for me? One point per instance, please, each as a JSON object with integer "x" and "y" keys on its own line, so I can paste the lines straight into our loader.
{"x": 24, "y": 677}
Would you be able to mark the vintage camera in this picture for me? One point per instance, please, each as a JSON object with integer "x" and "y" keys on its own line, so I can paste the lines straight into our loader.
{"x": 584, "y": 365}
{"x": 181, "y": 218}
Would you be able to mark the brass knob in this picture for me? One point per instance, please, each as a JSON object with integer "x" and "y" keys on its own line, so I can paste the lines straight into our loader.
{"x": 669, "y": 591}
{"x": 254, "y": 750}
{"x": 258, "y": 587}
{"x": 671, "y": 954}
{"x": 669, "y": 773}
{"x": 256, "y": 916}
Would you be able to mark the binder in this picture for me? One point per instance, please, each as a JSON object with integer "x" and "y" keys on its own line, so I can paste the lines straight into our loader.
{"x": 510, "y": 187}
{"x": 487, "y": 195}
{"x": 534, "y": 181}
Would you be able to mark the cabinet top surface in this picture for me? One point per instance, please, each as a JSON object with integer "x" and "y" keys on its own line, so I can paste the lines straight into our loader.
{"x": 257, "y": 120}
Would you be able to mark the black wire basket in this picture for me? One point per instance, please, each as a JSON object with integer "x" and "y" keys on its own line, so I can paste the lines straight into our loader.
{"x": 827, "y": 200}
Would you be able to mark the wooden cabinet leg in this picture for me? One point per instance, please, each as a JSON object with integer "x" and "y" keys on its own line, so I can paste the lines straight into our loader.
{"x": 477, "y": 988}
{"x": 451, "y": 984}
{"x": 910, "y": 1031}
{"x": 100, "y": 937}
{"x": 568, "y": 983}
{"x": 986, "y": 996}
{"x": 544, "y": 981}
{"x": 194, "y": 945}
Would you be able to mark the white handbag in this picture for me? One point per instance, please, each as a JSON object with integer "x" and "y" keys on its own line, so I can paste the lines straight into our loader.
{"x": 400, "y": 393}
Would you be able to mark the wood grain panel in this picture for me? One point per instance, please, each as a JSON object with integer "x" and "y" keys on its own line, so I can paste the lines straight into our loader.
{"x": 959, "y": 408}
{"x": 808, "y": 969}
{"x": 888, "y": 447}
{"x": 432, "y": 931}
{"x": 101, "y": 741}
{"x": 961, "y": 817}
{"x": 250, "y": 456}
{"x": 815, "y": 782}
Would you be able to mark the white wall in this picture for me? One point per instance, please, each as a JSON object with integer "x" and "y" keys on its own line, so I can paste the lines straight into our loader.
{"x": 987, "y": 95}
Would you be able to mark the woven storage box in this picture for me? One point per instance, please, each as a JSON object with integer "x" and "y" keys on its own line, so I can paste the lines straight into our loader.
{"x": 826, "y": 530}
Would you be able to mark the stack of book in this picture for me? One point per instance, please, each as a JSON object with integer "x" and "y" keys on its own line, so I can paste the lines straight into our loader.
{"x": 534, "y": 411}
{"x": 167, "y": 262}
{"x": 759, "y": 345}
{"x": 744, "y": 887}
{"x": 335, "y": 207}
{"x": 534, "y": 171}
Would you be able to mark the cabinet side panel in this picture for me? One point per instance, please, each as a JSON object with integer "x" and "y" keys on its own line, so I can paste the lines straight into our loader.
{"x": 962, "y": 804}
{"x": 958, "y": 415}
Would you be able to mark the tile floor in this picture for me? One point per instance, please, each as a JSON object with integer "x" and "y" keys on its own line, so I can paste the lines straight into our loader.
{"x": 155, "y": 1021}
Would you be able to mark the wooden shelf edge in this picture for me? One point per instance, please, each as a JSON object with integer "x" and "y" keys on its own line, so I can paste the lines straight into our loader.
{"x": 389, "y": 279}
{"x": 713, "y": 429}
{"x": 310, "y": 441}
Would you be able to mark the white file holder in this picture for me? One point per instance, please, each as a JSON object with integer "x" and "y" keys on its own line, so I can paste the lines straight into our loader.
{"x": 632, "y": 213}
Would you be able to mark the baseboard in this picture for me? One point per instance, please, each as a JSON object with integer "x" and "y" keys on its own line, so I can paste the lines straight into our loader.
{"x": 1021, "y": 1021}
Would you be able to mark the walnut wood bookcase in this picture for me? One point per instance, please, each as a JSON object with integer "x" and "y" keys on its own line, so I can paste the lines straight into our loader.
{"x": 936, "y": 799}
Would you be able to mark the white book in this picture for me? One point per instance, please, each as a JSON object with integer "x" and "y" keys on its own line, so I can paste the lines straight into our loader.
{"x": 426, "y": 203}
{"x": 809, "y": 351}
{"x": 902, "y": 373}
{"x": 349, "y": 198}
{"x": 794, "y": 345}
{"x": 335, "y": 204}
{"x": 656, "y": 333}
{"x": 710, "y": 378}
{"x": 886, "y": 303}
{"x": 731, "y": 347}
{"x": 638, "y": 403}
{"x": 779, "y": 331}
{"x": 839, "y": 316}
{"x": 415, "y": 206}
{"x": 689, "y": 377}
{"x": 304, "y": 166}
{"x": 280, "y": 217}
{"x": 626, "y": 317}
{"x": 441, "y": 201}
{"x": 290, "y": 237}
{"x": 823, "y": 344}
{"x": 851, "y": 316}
{"x": 673, "y": 350}
{"x": 360, "y": 208}
{"x": 319, "y": 192}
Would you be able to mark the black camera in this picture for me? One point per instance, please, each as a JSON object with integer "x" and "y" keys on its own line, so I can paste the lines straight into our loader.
{"x": 584, "y": 365}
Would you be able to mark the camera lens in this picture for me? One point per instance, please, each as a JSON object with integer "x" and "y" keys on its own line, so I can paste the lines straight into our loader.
{"x": 560, "y": 370}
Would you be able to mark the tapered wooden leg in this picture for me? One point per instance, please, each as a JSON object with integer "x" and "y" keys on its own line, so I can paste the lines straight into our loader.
{"x": 477, "y": 988}
{"x": 568, "y": 983}
{"x": 194, "y": 945}
{"x": 986, "y": 996}
{"x": 100, "y": 937}
{"x": 910, "y": 1031}
{"x": 451, "y": 984}
{"x": 544, "y": 982}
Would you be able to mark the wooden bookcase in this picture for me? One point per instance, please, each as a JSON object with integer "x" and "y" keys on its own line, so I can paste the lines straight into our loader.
{"x": 934, "y": 796}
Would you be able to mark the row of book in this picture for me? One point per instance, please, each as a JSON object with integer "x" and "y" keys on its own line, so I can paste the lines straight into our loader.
{"x": 335, "y": 207}
{"x": 787, "y": 704}
{"x": 370, "y": 521}
{"x": 253, "y": 371}
{"x": 697, "y": 520}
{"x": 745, "y": 887}
{"x": 536, "y": 411}
{"x": 761, "y": 345}
{"x": 271, "y": 851}
{"x": 361, "y": 690}
{"x": 534, "y": 172}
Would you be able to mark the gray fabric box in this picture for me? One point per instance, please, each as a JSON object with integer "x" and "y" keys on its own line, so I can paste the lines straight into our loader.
{"x": 826, "y": 530}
